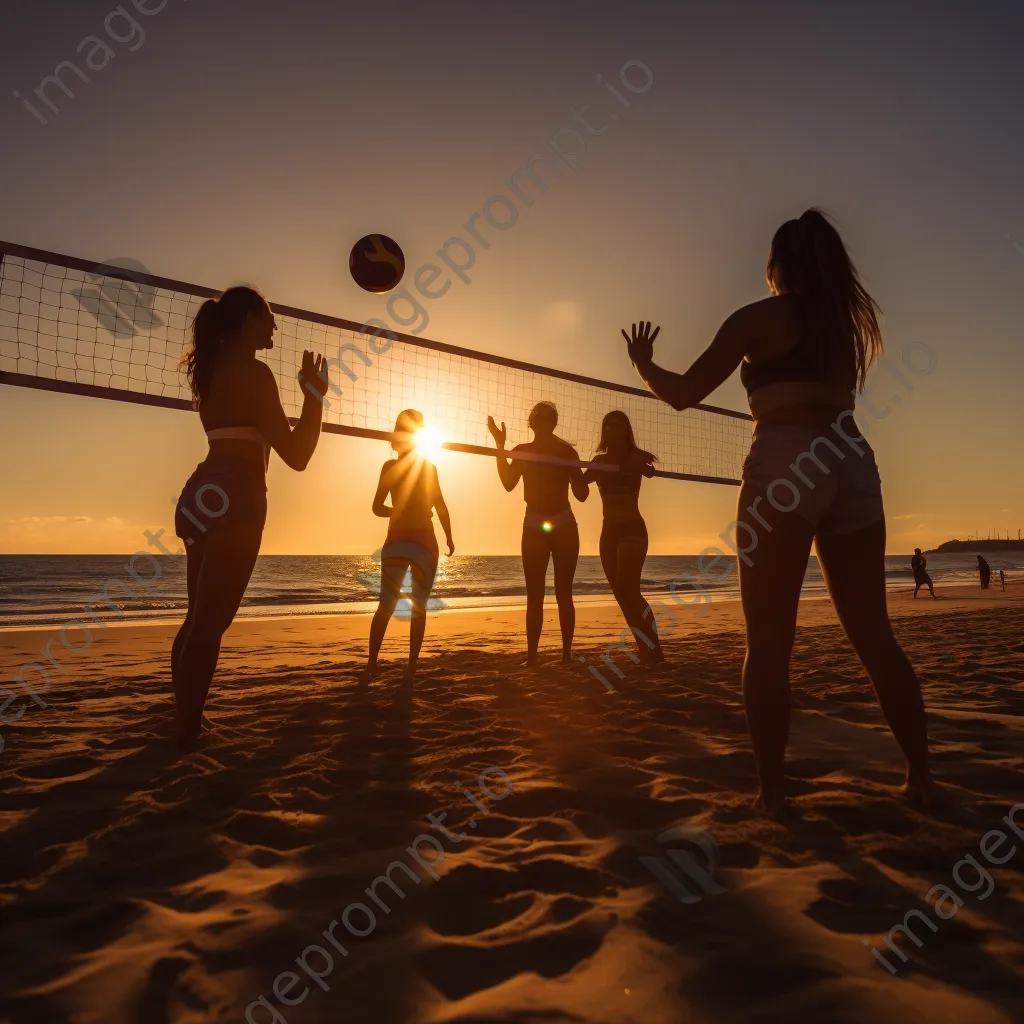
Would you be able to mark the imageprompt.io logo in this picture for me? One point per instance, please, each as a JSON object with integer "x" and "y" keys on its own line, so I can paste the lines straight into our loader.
{"x": 122, "y": 306}
{"x": 416, "y": 555}
{"x": 685, "y": 862}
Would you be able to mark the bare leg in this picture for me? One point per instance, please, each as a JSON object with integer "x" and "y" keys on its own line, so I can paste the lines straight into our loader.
{"x": 770, "y": 591}
{"x": 535, "y": 568}
{"x": 614, "y": 571}
{"x": 227, "y": 561}
{"x": 422, "y": 582}
{"x": 565, "y": 553}
{"x": 632, "y": 552}
{"x": 854, "y": 569}
{"x": 617, "y": 570}
{"x": 391, "y": 578}
{"x": 609, "y": 551}
{"x": 194, "y": 559}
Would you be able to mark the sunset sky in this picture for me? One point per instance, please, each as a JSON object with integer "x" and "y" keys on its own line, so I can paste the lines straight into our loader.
{"x": 256, "y": 142}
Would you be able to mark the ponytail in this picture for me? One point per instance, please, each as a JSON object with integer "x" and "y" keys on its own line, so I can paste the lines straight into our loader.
{"x": 217, "y": 321}
{"x": 809, "y": 259}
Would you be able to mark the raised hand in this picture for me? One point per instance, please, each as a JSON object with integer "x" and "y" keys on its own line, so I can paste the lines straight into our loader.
{"x": 641, "y": 346}
{"x": 498, "y": 435}
{"x": 313, "y": 375}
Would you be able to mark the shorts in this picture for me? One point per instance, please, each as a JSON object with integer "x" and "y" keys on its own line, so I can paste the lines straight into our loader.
{"x": 828, "y": 477}
{"x": 410, "y": 549}
{"x": 222, "y": 494}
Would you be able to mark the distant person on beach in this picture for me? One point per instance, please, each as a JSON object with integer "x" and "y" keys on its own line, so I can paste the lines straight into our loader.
{"x": 549, "y": 527}
{"x": 223, "y": 506}
{"x": 803, "y": 353}
{"x": 921, "y": 578}
{"x": 411, "y": 546}
{"x": 984, "y": 571}
{"x": 623, "y": 544}
{"x": 1002, "y": 579}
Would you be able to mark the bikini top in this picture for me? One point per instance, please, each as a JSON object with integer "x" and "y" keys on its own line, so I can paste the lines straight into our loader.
{"x": 800, "y": 376}
{"x": 626, "y": 481}
{"x": 241, "y": 434}
{"x": 783, "y": 393}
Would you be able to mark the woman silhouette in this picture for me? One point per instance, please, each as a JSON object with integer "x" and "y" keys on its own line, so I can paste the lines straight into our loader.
{"x": 984, "y": 571}
{"x": 223, "y": 506}
{"x": 411, "y": 481}
{"x": 624, "y": 532}
{"x": 549, "y": 528}
{"x": 803, "y": 353}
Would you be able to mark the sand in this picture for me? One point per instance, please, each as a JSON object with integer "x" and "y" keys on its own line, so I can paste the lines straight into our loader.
{"x": 141, "y": 886}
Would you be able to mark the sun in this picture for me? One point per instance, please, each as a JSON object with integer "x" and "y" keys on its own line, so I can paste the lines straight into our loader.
{"x": 428, "y": 442}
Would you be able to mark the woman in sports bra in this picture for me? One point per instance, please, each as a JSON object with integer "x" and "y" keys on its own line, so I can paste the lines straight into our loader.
{"x": 810, "y": 476}
{"x": 549, "y": 468}
{"x": 223, "y": 506}
{"x": 411, "y": 546}
{"x": 623, "y": 544}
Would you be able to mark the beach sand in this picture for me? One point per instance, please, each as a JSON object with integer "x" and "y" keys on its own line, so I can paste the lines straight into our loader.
{"x": 142, "y": 886}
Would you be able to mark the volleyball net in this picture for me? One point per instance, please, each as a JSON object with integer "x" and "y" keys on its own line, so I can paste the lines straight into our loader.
{"x": 72, "y": 326}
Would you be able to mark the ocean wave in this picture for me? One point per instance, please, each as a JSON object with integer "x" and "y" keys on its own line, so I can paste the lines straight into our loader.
{"x": 311, "y": 597}
{"x": 49, "y": 591}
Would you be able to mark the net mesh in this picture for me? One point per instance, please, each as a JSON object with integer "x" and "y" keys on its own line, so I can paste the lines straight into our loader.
{"x": 62, "y": 324}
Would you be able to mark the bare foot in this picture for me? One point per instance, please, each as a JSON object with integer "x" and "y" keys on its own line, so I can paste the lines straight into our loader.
{"x": 775, "y": 807}
{"x": 928, "y": 794}
{"x": 650, "y": 659}
{"x": 369, "y": 674}
{"x": 409, "y": 674}
{"x": 187, "y": 737}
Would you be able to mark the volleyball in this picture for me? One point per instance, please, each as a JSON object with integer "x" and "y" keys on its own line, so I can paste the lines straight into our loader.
{"x": 376, "y": 263}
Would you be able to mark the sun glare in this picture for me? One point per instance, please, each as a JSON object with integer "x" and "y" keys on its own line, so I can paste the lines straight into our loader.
{"x": 428, "y": 442}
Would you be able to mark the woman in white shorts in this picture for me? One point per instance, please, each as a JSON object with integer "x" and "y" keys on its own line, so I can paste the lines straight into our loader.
{"x": 810, "y": 476}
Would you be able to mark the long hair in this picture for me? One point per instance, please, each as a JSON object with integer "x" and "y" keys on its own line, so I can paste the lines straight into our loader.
{"x": 407, "y": 423}
{"x": 217, "y": 320}
{"x": 630, "y": 445}
{"x": 808, "y": 258}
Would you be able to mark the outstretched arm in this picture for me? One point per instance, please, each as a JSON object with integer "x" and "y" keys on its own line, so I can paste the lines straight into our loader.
{"x": 294, "y": 445}
{"x": 711, "y": 368}
{"x": 509, "y": 472}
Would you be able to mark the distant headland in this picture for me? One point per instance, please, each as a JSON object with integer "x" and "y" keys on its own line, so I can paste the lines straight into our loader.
{"x": 977, "y": 545}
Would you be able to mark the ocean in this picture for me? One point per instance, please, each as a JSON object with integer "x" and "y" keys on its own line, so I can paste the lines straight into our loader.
{"x": 49, "y": 590}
